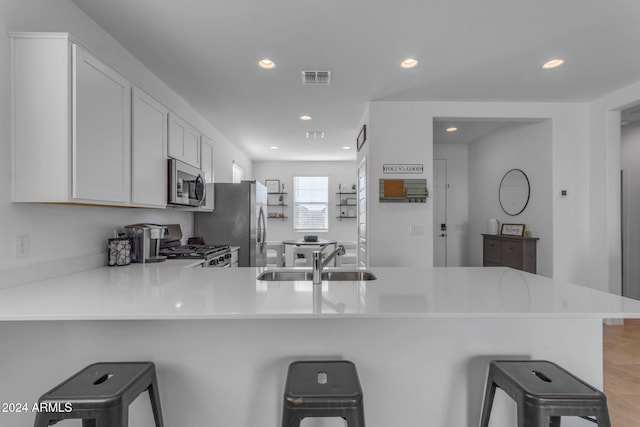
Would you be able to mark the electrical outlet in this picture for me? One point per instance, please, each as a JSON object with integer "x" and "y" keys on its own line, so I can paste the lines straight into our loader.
{"x": 22, "y": 246}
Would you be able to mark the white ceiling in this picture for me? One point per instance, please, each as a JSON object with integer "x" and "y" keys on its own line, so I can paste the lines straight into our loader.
{"x": 469, "y": 50}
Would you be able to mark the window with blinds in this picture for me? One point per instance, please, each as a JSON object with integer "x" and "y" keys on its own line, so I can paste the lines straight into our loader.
{"x": 238, "y": 173}
{"x": 311, "y": 203}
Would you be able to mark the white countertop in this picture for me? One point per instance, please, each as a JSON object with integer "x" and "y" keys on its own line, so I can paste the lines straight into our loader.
{"x": 171, "y": 290}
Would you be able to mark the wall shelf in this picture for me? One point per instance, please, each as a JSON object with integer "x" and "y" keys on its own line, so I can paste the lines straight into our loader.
{"x": 276, "y": 208}
{"x": 347, "y": 210}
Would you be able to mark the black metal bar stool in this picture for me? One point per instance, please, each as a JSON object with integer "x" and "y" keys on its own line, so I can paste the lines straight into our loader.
{"x": 322, "y": 389}
{"x": 100, "y": 395}
{"x": 543, "y": 392}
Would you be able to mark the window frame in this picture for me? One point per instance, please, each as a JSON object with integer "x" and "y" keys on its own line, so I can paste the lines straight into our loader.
{"x": 236, "y": 168}
{"x": 296, "y": 202}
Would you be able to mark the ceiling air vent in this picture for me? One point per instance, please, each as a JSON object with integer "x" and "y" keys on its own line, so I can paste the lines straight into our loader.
{"x": 315, "y": 134}
{"x": 316, "y": 77}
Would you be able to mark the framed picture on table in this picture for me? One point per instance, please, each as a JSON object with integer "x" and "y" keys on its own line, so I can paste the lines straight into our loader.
{"x": 512, "y": 230}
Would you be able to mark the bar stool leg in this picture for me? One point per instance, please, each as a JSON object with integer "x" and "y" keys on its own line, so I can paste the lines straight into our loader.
{"x": 42, "y": 420}
{"x": 555, "y": 422}
{"x": 124, "y": 416}
{"x": 88, "y": 423}
{"x": 290, "y": 419}
{"x": 603, "y": 418}
{"x": 489, "y": 394}
{"x": 354, "y": 419}
{"x": 155, "y": 403}
{"x": 533, "y": 418}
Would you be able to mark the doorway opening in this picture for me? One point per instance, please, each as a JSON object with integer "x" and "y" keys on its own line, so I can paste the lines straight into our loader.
{"x": 469, "y": 163}
{"x": 630, "y": 200}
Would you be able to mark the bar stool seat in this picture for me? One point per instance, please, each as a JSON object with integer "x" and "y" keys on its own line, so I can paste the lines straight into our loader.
{"x": 323, "y": 389}
{"x": 543, "y": 392}
{"x": 100, "y": 395}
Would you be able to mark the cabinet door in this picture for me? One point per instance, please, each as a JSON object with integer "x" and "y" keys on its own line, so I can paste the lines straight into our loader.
{"x": 492, "y": 250}
{"x": 148, "y": 151}
{"x": 184, "y": 141}
{"x": 206, "y": 162}
{"x": 512, "y": 254}
{"x": 101, "y": 138}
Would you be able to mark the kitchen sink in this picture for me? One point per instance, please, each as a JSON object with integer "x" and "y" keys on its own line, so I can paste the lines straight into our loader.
{"x": 329, "y": 275}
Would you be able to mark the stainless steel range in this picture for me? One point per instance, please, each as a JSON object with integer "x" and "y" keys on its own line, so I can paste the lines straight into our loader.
{"x": 213, "y": 255}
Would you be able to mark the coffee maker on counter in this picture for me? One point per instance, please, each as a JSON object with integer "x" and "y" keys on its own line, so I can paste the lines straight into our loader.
{"x": 145, "y": 242}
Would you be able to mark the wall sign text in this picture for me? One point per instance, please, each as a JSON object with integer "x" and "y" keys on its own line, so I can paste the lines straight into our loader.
{"x": 402, "y": 168}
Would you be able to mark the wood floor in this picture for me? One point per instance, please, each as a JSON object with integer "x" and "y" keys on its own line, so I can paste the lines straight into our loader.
{"x": 622, "y": 373}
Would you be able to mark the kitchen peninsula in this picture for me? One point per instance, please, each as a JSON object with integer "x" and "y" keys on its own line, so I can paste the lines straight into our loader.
{"x": 221, "y": 340}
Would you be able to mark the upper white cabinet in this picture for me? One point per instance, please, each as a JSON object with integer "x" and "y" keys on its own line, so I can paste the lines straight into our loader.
{"x": 184, "y": 141}
{"x": 148, "y": 151}
{"x": 71, "y": 133}
{"x": 102, "y": 131}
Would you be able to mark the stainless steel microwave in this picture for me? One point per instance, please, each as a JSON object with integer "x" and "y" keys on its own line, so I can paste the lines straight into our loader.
{"x": 187, "y": 186}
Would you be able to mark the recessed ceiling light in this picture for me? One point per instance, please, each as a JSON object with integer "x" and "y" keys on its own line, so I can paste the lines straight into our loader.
{"x": 273, "y": 147}
{"x": 305, "y": 117}
{"x": 554, "y": 63}
{"x": 452, "y": 129}
{"x": 409, "y": 63}
{"x": 346, "y": 148}
{"x": 267, "y": 64}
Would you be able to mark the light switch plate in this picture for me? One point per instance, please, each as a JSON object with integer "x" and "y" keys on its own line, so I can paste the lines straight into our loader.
{"x": 416, "y": 230}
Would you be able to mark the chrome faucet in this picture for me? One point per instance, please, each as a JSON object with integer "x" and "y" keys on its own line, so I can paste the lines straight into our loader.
{"x": 319, "y": 264}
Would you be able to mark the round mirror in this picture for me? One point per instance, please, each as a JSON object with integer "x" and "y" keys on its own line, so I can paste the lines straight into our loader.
{"x": 514, "y": 192}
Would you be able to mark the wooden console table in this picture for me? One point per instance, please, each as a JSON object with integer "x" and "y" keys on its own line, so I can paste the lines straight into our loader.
{"x": 510, "y": 251}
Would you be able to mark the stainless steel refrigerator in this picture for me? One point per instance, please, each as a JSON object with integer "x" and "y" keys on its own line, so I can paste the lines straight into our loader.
{"x": 239, "y": 219}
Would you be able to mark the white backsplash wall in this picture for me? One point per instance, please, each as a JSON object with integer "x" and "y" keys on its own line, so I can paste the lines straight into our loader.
{"x": 338, "y": 172}
{"x": 59, "y": 233}
{"x": 518, "y": 146}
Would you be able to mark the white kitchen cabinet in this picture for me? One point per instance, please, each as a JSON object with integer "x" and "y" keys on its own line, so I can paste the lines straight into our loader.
{"x": 184, "y": 141}
{"x": 235, "y": 256}
{"x": 206, "y": 164}
{"x": 148, "y": 151}
{"x": 71, "y": 124}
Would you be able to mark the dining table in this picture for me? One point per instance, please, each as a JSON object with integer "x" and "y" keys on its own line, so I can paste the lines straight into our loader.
{"x": 303, "y": 243}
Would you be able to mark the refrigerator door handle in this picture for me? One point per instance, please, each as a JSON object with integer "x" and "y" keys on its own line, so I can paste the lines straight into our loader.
{"x": 262, "y": 229}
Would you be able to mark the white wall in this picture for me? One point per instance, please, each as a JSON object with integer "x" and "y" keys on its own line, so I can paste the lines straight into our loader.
{"x": 62, "y": 232}
{"x": 338, "y": 172}
{"x": 516, "y": 146}
{"x": 401, "y": 132}
{"x": 457, "y": 157}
